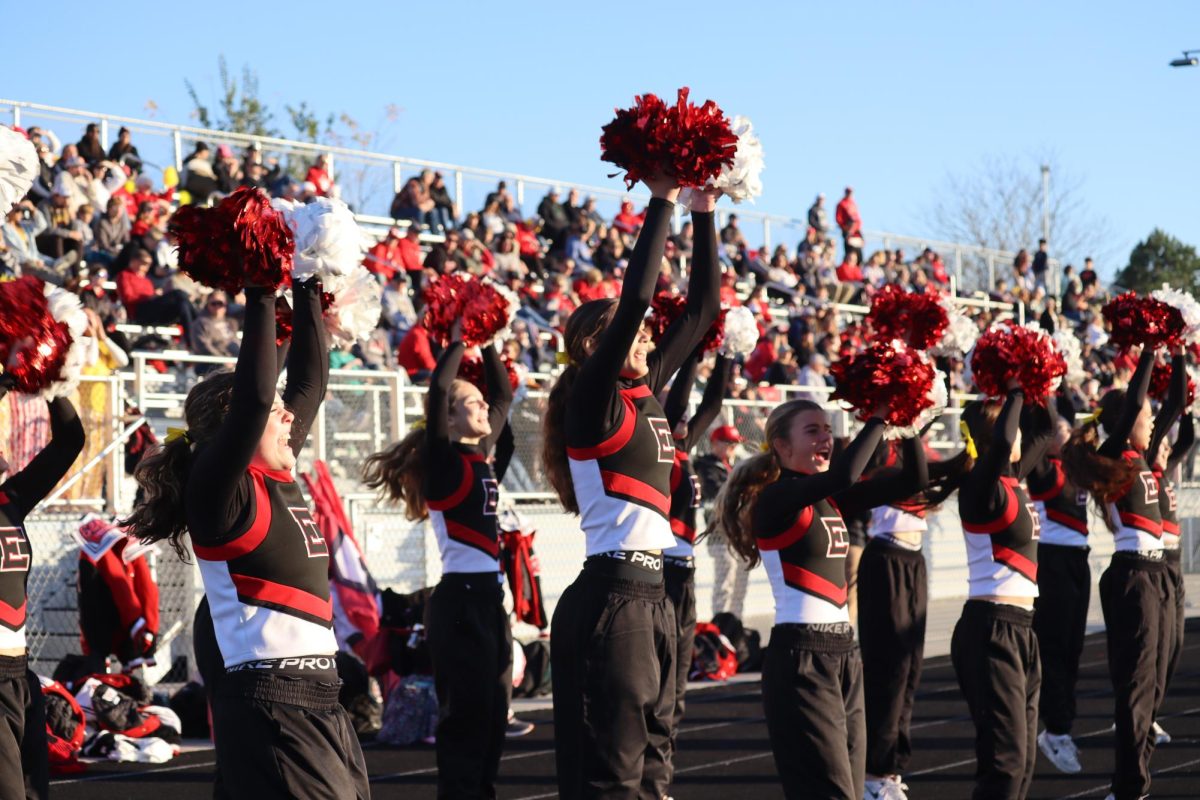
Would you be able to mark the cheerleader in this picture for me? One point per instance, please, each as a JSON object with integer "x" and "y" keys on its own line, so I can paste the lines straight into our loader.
{"x": 1064, "y": 591}
{"x": 1167, "y": 459}
{"x": 24, "y": 760}
{"x": 893, "y": 597}
{"x": 1134, "y": 590}
{"x": 608, "y": 452}
{"x": 993, "y": 647}
{"x": 679, "y": 565}
{"x": 264, "y": 631}
{"x": 784, "y": 507}
{"x": 443, "y": 473}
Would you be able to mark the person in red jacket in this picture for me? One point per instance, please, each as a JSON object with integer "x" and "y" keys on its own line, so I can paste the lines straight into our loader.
{"x": 415, "y": 354}
{"x": 385, "y": 258}
{"x": 318, "y": 176}
{"x": 410, "y": 254}
{"x": 627, "y": 221}
{"x": 765, "y": 354}
{"x": 118, "y": 597}
{"x": 850, "y": 222}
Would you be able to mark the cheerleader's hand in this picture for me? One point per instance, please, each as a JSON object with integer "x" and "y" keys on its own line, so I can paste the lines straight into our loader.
{"x": 663, "y": 187}
{"x": 705, "y": 200}
{"x": 1012, "y": 385}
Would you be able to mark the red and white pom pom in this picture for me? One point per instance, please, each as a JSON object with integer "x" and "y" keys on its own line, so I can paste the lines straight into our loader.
{"x": 742, "y": 180}
{"x": 41, "y": 339}
{"x": 1143, "y": 320}
{"x": 240, "y": 241}
{"x": 354, "y": 306}
{"x": 18, "y": 168}
{"x": 690, "y": 143}
{"x": 1008, "y": 351}
{"x": 329, "y": 242}
{"x": 484, "y": 309}
{"x": 1188, "y": 308}
{"x": 893, "y": 374}
{"x": 1067, "y": 343}
{"x": 471, "y": 370}
{"x": 665, "y": 308}
{"x": 741, "y": 332}
{"x": 918, "y": 318}
{"x": 961, "y": 331}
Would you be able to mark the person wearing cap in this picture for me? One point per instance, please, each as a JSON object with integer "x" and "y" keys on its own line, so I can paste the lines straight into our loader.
{"x": 731, "y": 579}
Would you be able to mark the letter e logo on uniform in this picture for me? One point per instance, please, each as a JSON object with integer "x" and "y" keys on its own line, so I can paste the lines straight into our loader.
{"x": 14, "y": 550}
{"x": 1151, "y": 484}
{"x": 839, "y": 545}
{"x": 1035, "y": 521}
{"x": 314, "y": 542}
{"x": 666, "y": 443}
{"x": 695, "y": 491}
{"x": 491, "y": 496}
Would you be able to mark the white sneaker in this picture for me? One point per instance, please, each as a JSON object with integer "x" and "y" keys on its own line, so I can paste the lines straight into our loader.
{"x": 890, "y": 788}
{"x": 1061, "y": 751}
{"x": 1160, "y": 736}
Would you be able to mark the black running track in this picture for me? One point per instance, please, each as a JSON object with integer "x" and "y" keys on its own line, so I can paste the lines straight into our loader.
{"x": 725, "y": 752}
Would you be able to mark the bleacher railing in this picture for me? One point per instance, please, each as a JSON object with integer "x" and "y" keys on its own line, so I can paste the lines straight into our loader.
{"x": 370, "y": 179}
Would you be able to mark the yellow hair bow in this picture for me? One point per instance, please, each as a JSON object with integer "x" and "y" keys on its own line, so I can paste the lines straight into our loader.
{"x": 419, "y": 425}
{"x": 563, "y": 358}
{"x": 765, "y": 447}
{"x": 968, "y": 441}
{"x": 1091, "y": 418}
{"x": 178, "y": 433}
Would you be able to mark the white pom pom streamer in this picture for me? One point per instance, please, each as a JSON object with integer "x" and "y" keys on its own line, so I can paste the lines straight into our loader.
{"x": 1067, "y": 343}
{"x": 741, "y": 332}
{"x": 514, "y": 305}
{"x": 742, "y": 180}
{"x": 329, "y": 243}
{"x": 66, "y": 308}
{"x": 960, "y": 335}
{"x": 1188, "y": 308}
{"x": 18, "y": 168}
{"x": 356, "y": 307}
{"x": 938, "y": 399}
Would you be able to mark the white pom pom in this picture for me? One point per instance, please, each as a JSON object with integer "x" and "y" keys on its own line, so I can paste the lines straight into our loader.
{"x": 742, "y": 180}
{"x": 1188, "y": 308}
{"x": 356, "y": 307}
{"x": 938, "y": 399}
{"x": 960, "y": 335}
{"x": 18, "y": 168}
{"x": 328, "y": 240}
{"x": 66, "y": 308}
{"x": 741, "y": 332}
{"x": 514, "y": 305}
{"x": 1067, "y": 343}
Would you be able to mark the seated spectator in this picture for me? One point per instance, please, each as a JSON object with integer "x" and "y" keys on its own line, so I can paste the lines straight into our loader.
{"x": 90, "y": 148}
{"x": 107, "y": 178}
{"x": 60, "y": 235}
{"x": 341, "y": 356}
{"x": 445, "y": 256}
{"x": 199, "y": 179}
{"x": 376, "y": 352}
{"x": 765, "y": 353}
{"x": 147, "y": 305}
{"x": 813, "y": 375}
{"x": 626, "y": 221}
{"x": 443, "y": 203}
{"x": 124, "y": 152}
{"x": 228, "y": 170}
{"x": 415, "y": 354}
{"x": 555, "y": 221}
{"x": 492, "y": 219}
{"x": 398, "y": 312}
{"x": 215, "y": 332}
{"x": 611, "y": 253}
{"x": 22, "y": 225}
{"x": 84, "y": 219}
{"x": 784, "y": 370}
{"x": 508, "y": 260}
{"x": 731, "y": 235}
{"x": 683, "y": 240}
{"x": 318, "y": 175}
{"x": 384, "y": 259}
{"x": 849, "y": 277}
{"x": 73, "y": 183}
{"x": 414, "y": 203}
{"x": 530, "y": 246}
{"x": 476, "y": 258}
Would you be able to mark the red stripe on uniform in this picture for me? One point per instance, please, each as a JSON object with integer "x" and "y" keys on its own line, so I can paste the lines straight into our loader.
{"x": 636, "y": 392}
{"x": 12, "y": 617}
{"x": 632, "y": 487}
{"x": 1143, "y": 524}
{"x": 1007, "y": 518}
{"x": 473, "y": 538}
{"x": 1170, "y": 527}
{"x": 460, "y": 494}
{"x": 253, "y": 536}
{"x": 683, "y": 531}
{"x": 676, "y": 473}
{"x": 1015, "y": 561}
{"x": 1067, "y": 521}
{"x": 802, "y": 579}
{"x": 1060, "y": 480}
{"x": 280, "y": 595}
{"x": 792, "y": 535}
{"x": 613, "y": 443}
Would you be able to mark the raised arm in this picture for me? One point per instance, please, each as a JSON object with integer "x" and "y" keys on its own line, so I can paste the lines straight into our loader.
{"x": 505, "y": 447}
{"x": 31, "y": 485}
{"x": 444, "y": 469}
{"x": 703, "y": 304}
{"x": 500, "y": 394}
{"x": 1183, "y": 442}
{"x": 1039, "y": 426}
{"x": 307, "y": 362}
{"x": 1172, "y": 406}
{"x": 890, "y": 484}
{"x": 981, "y": 487}
{"x": 681, "y": 390}
{"x": 1135, "y": 398}
{"x": 710, "y": 402}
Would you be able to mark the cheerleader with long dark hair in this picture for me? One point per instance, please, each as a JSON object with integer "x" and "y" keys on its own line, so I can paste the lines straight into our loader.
{"x": 443, "y": 473}
{"x": 264, "y": 632}
{"x": 608, "y": 452}
{"x": 1134, "y": 590}
{"x": 784, "y": 507}
{"x": 679, "y": 565}
{"x": 24, "y": 762}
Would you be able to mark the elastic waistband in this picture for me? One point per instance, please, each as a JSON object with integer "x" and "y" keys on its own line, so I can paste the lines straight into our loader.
{"x": 828, "y": 637}
{"x": 1066, "y": 549}
{"x": 1140, "y": 559}
{"x": 986, "y": 609}
{"x": 316, "y": 668}
{"x": 304, "y": 692}
{"x": 631, "y": 565}
{"x": 894, "y": 549}
{"x": 484, "y": 582}
{"x": 1173, "y": 555}
{"x": 679, "y": 562}
{"x": 12, "y": 667}
{"x": 638, "y": 589}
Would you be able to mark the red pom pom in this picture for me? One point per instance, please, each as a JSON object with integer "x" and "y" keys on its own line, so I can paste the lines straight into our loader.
{"x": 283, "y": 321}
{"x": 33, "y": 345}
{"x": 481, "y": 307}
{"x": 470, "y": 369}
{"x": 665, "y": 308}
{"x": 886, "y": 373}
{"x": 1160, "y": 383}
{"x": 1143, "y": 320}
{"x": 915, "y": 317}
{"x": 688, "y": 142}
{"x": 1010, "y": 351}
{"x": 239, "y": 241}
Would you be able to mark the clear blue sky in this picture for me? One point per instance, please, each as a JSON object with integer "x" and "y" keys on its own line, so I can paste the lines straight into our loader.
{"x": 887, "y": 96}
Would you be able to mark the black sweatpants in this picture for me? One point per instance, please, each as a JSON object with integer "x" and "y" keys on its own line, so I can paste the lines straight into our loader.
{"x": 612, "y": 653}
{"x": 1060, "y": 622}
{"x": 1134, "y": 594}
{"x": 681, "y": 589}
{"x": 24, "y": 757}
{"x": 1175, "y": 574}
{"x": 813, "y": 697}
{"x": 995, "y": 656}
{"x": 470, "y": 642}
{"x": 893, "y": 595}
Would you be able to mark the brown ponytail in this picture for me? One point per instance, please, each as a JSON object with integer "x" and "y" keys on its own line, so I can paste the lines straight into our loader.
{"x": 584, "y": 327}
{"x": 738, "y": 497}
{"x": 1102, "y": 477}
{"x": 163, "y": 474}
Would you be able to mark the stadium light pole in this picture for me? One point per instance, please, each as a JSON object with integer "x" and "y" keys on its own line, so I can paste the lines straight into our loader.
{"x": 1188, "y": 60}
